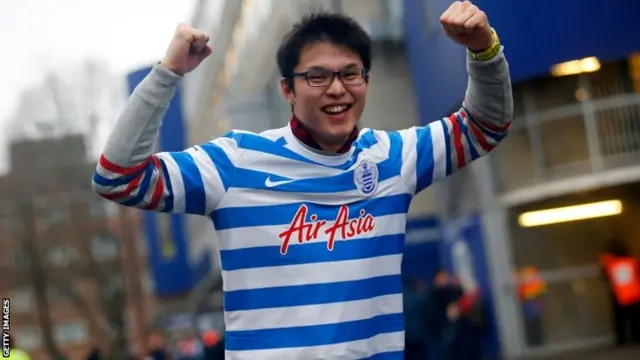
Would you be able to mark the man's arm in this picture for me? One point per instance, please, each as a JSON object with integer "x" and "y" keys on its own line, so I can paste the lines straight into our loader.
{"x": 192, "y": 181}
{"x": 432, "y": 152}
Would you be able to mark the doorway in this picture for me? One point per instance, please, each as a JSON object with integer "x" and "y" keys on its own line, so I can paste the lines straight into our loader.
{"x": 571, "y": 309}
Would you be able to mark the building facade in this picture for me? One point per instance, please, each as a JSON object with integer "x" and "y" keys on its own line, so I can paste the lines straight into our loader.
{"x": 72, "y": 263}
{"x": 574, "y": 142}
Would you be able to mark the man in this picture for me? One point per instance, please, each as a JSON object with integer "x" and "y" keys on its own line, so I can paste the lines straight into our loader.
{"x": 442, "y": 294}
{"x": 213, "y": 345}
{"x": 310, "y": 217}
{"x": 156, "y": 346}
{"x": 622, "y": 271}
{"x": 531, "y": 291}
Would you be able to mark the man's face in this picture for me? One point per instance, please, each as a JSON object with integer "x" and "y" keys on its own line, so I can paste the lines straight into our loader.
{"x": 330, "y": 112}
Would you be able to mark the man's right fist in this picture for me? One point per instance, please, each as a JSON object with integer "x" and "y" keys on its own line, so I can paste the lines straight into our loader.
{"x": 187, "y": 50}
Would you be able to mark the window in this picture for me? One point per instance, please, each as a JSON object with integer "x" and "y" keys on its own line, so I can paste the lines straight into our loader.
{"x": 58, "y": 293}
{"x": 114, "y": 286}
{"x": 549, "y": 93}
{"x": 19, "y": 259}
{"x": 104, "y": 248}
{"x": 28, "y": 337}
{"x": 573, "y": 154}
{"x": 111, "y": 208}
{"x": 71, "y": 333}
{"x": 54, "y": 216}
{"x": 99, "y": 209}
{"x": 62, "y": 255}
{"x": 22, "y": 299}
{"x": 11, "y": 224}
{"x": 148, "y": 284}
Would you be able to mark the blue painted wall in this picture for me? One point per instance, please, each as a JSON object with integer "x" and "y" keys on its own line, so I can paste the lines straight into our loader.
{"x": 536, "y": 35}
{"x": 172, "y": 272}
{"x": 421, "y": 258}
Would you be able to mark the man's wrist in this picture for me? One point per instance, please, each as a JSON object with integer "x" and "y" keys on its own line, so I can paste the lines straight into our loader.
{"x": 168, "y": 67}
{"x": 489, "y": 53}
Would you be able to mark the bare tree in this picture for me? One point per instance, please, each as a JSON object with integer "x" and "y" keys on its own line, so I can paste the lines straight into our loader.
{"x": 110, "y": 322}
{"x": 38, "y": 277}
{"x": 74, "y": 100}
{"x": 79, "y": 99}
{"x": 106, "y": 319}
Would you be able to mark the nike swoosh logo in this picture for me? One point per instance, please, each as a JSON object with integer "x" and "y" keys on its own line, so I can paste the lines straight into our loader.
{"x": 268, "y": 183}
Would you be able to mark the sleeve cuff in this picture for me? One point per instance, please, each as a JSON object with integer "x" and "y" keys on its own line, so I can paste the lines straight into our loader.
{"x": 488, "y": 70}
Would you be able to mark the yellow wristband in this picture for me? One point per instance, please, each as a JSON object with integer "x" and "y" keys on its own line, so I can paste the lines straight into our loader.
{"x": 491, "y": 52}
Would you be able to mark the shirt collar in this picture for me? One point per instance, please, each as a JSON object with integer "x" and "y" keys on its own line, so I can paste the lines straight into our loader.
{"x": 302, "y": 134}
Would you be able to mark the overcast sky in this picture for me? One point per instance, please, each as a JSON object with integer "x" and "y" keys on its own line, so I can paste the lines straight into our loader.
{"x": 36, "y": 35}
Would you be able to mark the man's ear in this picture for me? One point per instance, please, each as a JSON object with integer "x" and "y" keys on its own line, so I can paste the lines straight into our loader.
{"x": 286, "y": 86}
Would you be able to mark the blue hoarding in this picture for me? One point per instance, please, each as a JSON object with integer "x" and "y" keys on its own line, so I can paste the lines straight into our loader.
{"x": 166, "y": 235}
{"x": 421, "y": 257}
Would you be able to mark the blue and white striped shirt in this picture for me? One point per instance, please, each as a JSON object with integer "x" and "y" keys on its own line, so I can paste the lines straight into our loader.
{"x": 310, "y": 244}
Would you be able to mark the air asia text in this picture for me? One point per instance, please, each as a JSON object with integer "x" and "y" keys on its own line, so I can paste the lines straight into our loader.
{"x": 302, "y": 231}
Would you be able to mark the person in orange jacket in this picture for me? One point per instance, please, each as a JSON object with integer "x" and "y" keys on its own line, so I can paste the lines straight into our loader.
{"x": 623, "y": 275}
{"x": 531, "y": 289}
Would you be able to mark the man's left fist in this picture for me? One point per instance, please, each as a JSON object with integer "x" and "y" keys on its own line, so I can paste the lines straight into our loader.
{"x": 467, "y": 25}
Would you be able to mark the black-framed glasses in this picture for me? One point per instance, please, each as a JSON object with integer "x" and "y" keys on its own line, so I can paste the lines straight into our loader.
{"x": 324, "y": 77}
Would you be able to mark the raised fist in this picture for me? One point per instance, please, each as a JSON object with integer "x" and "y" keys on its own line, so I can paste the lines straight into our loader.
{"x": 187, "y": 50}
{"x": 467, "y": 25}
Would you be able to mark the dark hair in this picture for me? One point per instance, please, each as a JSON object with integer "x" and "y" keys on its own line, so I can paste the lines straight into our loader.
{"x": 337, "y": 29}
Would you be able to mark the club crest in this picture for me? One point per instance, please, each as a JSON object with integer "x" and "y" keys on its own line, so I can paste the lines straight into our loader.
{"x": 365, "y": 177}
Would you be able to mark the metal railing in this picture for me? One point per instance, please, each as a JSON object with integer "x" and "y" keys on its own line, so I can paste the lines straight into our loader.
{"x": 574, "y": 132}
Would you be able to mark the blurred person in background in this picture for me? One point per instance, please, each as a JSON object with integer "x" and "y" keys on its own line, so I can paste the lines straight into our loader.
{"x": 531, "y": 290}
{"x": 346, "y": 181}
{"x": 156, "y": 346}
{"x": 94, "y": 354}
{"x": 213, "y": 345}
{"x": 622, "y": 272}
{"x": 472, "y": 305}
{"x": 136, "y": 351}
{"x": 190, "y": 347}
{"x": 440, "y": 296}
{"x": 415, "y": 313}
{"x": 16, "y": 353}
{"x": 460, "y": 336}
{"x": 465, "y": 324}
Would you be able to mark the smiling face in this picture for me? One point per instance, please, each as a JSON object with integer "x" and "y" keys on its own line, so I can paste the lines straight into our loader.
{"x": 330, "y": 112}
